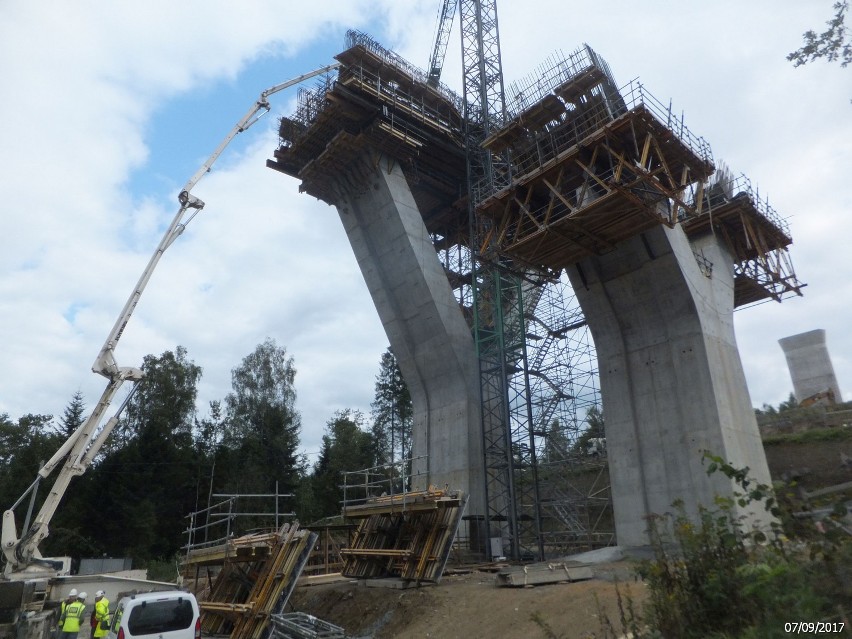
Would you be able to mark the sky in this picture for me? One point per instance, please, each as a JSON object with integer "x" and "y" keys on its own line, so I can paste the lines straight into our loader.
{"x": 108, "y": 108}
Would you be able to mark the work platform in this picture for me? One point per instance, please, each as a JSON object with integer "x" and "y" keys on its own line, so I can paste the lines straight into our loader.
{"x": 587, "y": 166}
{"x": 387, "y": 109}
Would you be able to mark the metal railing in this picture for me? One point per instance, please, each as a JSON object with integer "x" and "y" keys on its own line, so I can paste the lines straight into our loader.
{"x": 220, "y": 522}
{"x": 724, "y": 191}
{"x": 387, "y": 480}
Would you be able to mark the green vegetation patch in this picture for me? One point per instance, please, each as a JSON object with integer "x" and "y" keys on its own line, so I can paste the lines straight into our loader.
{"x": 810, "y": 436}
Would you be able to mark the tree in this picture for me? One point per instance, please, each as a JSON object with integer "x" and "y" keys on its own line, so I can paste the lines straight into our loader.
{"x": 392, "y": 412}
{"x": 834, "y": 44}
{"x": 556, "y": 443}
{"x": 789, "y": 404}
{"x": 24, "y": 446}
{"x": 593, "y": 434}
{"x": 135, "y": 498}
{"x": 263, "y": 426}
{"x": 346, "y": 446}
{"x": 72, "y": 417}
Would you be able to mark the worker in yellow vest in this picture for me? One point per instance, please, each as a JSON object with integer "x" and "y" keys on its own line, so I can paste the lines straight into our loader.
{"x": 69, "y": 620}
{"x": 71, "y": 598}
{"x": 101, "y": 615}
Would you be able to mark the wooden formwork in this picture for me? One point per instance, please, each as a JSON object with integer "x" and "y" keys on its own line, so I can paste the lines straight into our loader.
{"x": 407, "y": 536}
{"x": 254, "y": 576}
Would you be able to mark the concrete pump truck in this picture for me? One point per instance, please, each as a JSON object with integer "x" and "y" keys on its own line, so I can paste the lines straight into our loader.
{"x": 27, "y": 579}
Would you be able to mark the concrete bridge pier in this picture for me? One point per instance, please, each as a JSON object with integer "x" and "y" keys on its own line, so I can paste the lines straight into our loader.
{"x": 423, "y": 321}
{"x": 661, "y": 313}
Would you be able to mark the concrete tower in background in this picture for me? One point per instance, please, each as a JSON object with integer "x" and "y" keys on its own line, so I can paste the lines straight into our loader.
{"x": 810, "y": 366}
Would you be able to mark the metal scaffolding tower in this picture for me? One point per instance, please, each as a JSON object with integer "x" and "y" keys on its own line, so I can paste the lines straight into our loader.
{"x": 529, "y": 335}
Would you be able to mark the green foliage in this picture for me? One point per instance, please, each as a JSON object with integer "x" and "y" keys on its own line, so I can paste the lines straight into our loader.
{"x": 135, "y": 498}
{"x": 163, "y": 570}
{"x": 811, "y": 435}
{"x": 263, "y": 426}
{"x": 24, "y": 447}
{"x": 713, "y": 576}
{"x": 596, "y": 430}
{"x": 556, "y": 444}
{"x": 346, "y": 446}
{"x": 392, "y": 412}
{"x": 833, "y": 44}
{"x": 786, "y": 406}
{"x": 72, "y": 417}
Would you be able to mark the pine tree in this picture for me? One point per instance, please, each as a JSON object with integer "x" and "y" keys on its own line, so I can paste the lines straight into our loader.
{"x": 346, "y": 446}
{"x": 72, "y": 417}
{"x": 392, "y": 412}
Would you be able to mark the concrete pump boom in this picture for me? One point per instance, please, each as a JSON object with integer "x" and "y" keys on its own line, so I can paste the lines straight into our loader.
{"x": 80, "y": 449}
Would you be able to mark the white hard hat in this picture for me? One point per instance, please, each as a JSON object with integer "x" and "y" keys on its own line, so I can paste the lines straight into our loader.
{"x": 82, "y": 596}
{"x": 73, "y": 592}
{"x": 99, "y": 593}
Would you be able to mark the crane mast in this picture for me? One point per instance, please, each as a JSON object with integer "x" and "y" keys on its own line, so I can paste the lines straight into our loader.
{"x": 80, "y": 449}
{"x": 499, "y": 318}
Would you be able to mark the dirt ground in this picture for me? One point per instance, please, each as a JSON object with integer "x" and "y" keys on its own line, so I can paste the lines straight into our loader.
{"x": 468, "y": 605}
{"x": 812, "y": 464}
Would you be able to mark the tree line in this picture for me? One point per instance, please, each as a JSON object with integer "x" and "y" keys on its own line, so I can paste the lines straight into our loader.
{"x": 163, "y": 462}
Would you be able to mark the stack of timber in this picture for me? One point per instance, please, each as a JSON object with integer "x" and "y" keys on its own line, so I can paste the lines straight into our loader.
{"x": 407, "y": 536}
{"x": 255, "y": 577}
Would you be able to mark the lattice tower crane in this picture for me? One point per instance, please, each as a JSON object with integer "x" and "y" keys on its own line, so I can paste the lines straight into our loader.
{"x": 499, "y": 326}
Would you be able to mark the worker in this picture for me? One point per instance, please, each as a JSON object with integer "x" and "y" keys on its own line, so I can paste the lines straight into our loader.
{"x": 101, "y": 627}
{"x": 69, "y": 620}
{"x": 72, "y": 597}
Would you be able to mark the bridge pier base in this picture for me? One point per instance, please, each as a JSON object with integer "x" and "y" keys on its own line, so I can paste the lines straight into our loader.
{"x": 661, "y": 313}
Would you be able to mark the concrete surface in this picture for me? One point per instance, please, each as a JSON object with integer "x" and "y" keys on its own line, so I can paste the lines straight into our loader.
{"x": 424, "y": 324}
{"x": 672, "y": 382}
{"x": 810, "y": 365}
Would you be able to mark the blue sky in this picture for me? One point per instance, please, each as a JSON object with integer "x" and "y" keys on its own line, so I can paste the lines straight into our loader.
{"x": 107, "y": 109}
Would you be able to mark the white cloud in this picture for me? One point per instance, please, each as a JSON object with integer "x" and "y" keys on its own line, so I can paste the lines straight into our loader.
{"x": 83, "y": 84}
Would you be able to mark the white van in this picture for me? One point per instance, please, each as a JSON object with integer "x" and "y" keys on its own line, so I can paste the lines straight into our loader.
{"x": 168, "y": 614}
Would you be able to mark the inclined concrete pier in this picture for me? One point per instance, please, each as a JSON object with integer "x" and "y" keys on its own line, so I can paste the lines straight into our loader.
{"x": 672, "y": 382}
{"x": 810, "y": 365}
{"x": 423, "y": 321}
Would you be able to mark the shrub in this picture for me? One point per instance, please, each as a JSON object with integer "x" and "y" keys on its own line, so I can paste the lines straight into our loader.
{"x": 714, "y": 577}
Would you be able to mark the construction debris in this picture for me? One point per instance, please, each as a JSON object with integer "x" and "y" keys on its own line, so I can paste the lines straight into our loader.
{"x": 539, "y": 574}
{"x": 254, "y": 577}
{"x": 299, "y": 625}
{"x": 407, "y": 536}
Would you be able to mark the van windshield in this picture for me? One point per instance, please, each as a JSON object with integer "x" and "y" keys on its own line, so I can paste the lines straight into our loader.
{"x": 155, "y": 617}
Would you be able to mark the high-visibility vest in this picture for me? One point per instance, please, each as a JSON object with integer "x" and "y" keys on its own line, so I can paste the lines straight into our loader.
{"x": 101, "y": 614}
{"x": 73, "y": 614}
{"x": 61, "y": 613}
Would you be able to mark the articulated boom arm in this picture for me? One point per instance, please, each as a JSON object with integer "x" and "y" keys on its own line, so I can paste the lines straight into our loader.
{"x": 442, "y": 39}
{"x": 80, "y": 449}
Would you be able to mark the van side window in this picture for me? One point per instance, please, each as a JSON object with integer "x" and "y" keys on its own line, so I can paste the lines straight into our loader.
{"x": 155, "y": 617}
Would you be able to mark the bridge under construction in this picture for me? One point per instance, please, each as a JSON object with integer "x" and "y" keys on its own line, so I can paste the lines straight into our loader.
{"x": 495, "y": 249}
